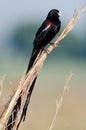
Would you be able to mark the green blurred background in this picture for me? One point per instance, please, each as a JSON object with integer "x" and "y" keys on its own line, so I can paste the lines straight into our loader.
{"x": 19, "y": 21}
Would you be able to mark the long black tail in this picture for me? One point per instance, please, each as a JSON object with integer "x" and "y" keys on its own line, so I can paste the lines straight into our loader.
{"x": 27, "y": 103}
{"x": 10, "y": 124}
{"x": 34, "y": 55}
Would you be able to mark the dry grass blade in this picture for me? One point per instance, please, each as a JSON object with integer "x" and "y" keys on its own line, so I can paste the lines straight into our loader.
{"x": 59, "y": 102}
{"x": 1, "y": 85}
{"x": 27, "y": 80}
{"x": 83, "y": 8}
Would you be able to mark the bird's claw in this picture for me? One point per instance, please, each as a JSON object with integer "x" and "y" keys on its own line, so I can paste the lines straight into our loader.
{"x": 53, "y": 44}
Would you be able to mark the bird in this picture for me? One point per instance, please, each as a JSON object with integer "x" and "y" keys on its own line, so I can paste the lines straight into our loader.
{"x": 49, "y": 28}
{"x": 47, "y": 31}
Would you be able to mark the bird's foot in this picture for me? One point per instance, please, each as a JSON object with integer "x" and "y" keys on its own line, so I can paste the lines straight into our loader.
{"x": 53, "y": 44}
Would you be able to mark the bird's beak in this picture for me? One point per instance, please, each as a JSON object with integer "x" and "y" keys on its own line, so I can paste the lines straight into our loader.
{"x": 60, "y": 13}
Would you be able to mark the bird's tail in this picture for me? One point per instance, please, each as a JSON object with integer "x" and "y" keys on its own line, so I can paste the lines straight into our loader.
{"x": 35, "y": 53}
{"x": 27, "y": 103}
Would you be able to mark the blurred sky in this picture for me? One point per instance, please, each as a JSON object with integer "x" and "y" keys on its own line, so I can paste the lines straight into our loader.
{"x": 14, "y": 13}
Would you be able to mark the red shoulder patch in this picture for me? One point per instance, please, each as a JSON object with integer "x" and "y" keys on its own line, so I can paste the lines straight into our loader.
{"x": 48, "y": 24}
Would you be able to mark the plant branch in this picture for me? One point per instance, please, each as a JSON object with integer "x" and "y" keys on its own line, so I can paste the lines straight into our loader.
{"x": 60, "y": 100}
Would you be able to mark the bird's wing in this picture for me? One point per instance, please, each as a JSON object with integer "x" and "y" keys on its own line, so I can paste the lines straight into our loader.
{"x": 43, "y": 30}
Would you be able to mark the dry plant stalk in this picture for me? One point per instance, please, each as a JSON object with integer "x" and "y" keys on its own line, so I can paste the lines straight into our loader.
{"x": 2, "y": 107}
{"x": 60, "y": 100}
{"x": 0, "y": 87}
{"x": 28, "y": 79}
{"x": 1, "y": 84}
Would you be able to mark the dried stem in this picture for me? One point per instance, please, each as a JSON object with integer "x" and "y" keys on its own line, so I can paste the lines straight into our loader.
{"x": 1, "y": 85}
{"x": 28, "y": 79}
{"x": 60, "y": 100}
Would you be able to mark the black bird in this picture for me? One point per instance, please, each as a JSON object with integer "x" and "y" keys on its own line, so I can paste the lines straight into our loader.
{"x": 49, "y": 28}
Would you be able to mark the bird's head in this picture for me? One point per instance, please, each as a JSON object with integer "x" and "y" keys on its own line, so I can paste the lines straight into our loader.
{"x": 53, "y": 14}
